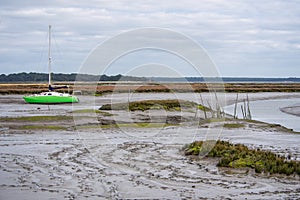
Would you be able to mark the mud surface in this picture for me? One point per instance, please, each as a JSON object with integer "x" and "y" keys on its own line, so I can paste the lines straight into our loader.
{"x": 292, "y": 109}
{"x": 130, "y": 162}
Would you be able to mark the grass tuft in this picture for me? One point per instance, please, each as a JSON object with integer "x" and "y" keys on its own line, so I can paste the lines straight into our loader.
{"x": 236, "y": 125}
{"x": 40, "y": 127}
{"x": 240, "y": 156}
{"x": 169, "y": 105}
{"x": 37, "y": 118}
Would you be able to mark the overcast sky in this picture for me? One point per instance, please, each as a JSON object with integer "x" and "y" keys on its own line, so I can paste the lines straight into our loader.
{"x": 252, "y": 38}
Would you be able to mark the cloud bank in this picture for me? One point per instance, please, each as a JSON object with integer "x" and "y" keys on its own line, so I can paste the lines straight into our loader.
{"x": 244, "y": 38}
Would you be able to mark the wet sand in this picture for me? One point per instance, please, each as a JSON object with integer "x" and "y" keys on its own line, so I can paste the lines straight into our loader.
{"x": 292, "y": 109}
{"x": 131, "y": 162}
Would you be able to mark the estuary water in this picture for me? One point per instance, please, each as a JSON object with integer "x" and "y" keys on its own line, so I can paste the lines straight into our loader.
{"x": 271, "y": 111}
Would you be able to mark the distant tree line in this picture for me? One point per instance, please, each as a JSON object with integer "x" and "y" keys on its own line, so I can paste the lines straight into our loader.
{"x": 43, "y": 77}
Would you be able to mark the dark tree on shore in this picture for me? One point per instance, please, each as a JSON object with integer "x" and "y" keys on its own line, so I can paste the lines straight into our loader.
{"x": 43, "y": 77}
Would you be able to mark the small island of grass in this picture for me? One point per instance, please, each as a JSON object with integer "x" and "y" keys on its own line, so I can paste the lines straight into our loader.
{"x": 169, "y": 105}
{"x": 240, "y": 156}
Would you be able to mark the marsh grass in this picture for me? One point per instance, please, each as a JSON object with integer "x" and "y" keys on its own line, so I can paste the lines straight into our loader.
{"x": 37, "y": 118}
{"x": 203, "y": 108}
{"x": 42, "y": 127}
{"x": 234, "y": 125}
{"x": 103, "y": 88}
{"x": 169, "y": 105}
{"x": 240, "y": 156}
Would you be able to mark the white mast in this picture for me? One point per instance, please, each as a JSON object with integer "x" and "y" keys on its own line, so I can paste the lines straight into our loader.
{"x": 49, "y": 57}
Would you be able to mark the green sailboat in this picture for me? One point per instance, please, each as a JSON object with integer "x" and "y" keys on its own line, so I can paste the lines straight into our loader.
{"x": 51, "y": 97}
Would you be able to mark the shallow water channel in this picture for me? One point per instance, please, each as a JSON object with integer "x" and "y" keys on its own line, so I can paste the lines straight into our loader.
{"x": 269, "y": 111}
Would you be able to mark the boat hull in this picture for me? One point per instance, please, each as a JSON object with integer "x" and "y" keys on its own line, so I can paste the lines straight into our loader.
{"x": 50, "y": 99}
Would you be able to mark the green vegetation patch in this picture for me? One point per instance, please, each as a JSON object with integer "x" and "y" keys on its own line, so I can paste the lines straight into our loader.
{"x": 234, "y": 125}
{"x": 37, "y": 118}
{"x": 170, "y": 105}
{"x": 203, "y": 108}
{"x": 240, "y": 156}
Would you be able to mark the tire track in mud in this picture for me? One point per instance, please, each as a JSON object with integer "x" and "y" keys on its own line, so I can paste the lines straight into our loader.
{"x": 159, "y": 167}
{"x": 67, "y": 171}
{"x": 68, "y": 168}
{"x": 89, "y": 174}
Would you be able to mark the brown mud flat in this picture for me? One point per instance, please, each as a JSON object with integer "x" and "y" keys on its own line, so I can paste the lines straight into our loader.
{"x": 108, "y": 87}
{"x": 89, "y": 159}
{"x": 108, "y": 165}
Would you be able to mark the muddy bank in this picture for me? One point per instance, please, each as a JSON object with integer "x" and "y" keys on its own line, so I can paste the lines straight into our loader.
{"x": 88, "y": 161}
{"x": 292, "y": 110}
{"x": 125, "y": 164}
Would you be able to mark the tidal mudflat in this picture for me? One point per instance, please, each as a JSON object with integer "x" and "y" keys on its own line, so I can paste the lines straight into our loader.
{"x": 45, "y": 153}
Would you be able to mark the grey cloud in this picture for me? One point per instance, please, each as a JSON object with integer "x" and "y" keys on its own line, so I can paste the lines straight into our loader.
{"x": 237, "y": 34}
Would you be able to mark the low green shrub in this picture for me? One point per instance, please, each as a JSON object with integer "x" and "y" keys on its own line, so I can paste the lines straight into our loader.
{"x": 239, "y": 156}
